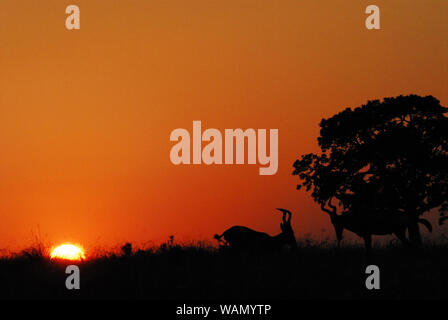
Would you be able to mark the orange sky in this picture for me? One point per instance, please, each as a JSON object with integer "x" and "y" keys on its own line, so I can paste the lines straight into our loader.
{"x": 85, "y": 116}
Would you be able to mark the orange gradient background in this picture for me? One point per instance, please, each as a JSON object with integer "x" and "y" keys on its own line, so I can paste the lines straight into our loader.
{"x": 85, "y": 116}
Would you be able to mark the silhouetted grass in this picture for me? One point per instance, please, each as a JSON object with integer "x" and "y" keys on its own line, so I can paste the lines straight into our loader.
{"x": 199, "y": 271}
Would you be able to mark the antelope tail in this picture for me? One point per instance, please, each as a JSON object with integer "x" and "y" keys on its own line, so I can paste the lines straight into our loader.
{"x": 426, "y": 224}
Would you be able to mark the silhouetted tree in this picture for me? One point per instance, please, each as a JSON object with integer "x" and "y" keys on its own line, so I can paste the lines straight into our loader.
{"x": 127, "y": 249}
{"x": 386, "y": 156}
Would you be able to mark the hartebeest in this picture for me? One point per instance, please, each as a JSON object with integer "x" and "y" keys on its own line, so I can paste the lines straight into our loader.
{"x": 367, "y": 224}
{"x": 243, "y": 238}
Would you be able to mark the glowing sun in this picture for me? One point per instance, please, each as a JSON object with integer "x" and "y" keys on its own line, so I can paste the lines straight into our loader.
{"x": 68, "y": 252}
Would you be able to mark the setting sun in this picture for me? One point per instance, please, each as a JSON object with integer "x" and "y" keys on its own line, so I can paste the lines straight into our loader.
{"x": 68, "y": 252}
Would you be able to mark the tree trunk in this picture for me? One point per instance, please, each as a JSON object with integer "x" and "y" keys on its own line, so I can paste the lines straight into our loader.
{"x": 414, "y": 233}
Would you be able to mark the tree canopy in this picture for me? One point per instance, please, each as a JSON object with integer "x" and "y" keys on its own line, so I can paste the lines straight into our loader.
{"x": 385, "y": 156}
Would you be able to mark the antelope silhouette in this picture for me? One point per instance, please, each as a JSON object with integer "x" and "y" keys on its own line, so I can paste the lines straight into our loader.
{"x": 372, "y": 223}
{"x": 243, "y": 238}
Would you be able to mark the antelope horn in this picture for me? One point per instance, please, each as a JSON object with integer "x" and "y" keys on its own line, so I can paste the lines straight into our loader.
{"x": 284, "y": 214}
{"x": 333, "y": 208}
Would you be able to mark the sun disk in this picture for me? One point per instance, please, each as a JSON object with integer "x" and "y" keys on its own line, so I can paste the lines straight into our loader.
{"x": 67, "y": 252}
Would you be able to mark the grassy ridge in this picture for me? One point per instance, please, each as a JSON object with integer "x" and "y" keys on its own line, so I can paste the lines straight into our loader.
{"x": 199, "y": 272}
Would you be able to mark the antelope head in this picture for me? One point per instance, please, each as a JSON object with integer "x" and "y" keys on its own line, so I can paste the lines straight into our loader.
{"x": 335, "y": 219}
{"x": 287, "y": 232}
